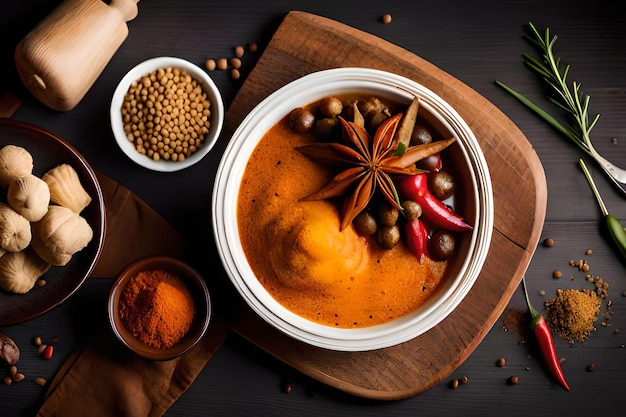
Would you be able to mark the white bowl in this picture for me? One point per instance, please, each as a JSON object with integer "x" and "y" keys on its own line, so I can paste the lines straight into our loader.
{"x": 472, "y": 247}
{"x": 213, "y": 94}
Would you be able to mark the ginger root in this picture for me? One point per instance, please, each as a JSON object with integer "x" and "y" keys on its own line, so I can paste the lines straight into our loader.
{"x": 29, "y": 196}
{"x": 15, "y": 162}
{"x": 60, "y": 234}
{"x": 15, "y": 230}
{"x": 66, "y": 189}
{"x": 19, "y": 271}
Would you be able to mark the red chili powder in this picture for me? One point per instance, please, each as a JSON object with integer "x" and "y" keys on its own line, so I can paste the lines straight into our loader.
{"x": 157, "y": 308}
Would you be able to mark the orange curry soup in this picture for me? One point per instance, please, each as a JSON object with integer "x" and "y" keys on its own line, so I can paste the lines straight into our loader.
{"x": 298, "y": 254}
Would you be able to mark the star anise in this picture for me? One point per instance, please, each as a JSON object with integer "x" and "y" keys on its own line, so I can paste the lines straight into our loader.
{"x": 370, "y": 164}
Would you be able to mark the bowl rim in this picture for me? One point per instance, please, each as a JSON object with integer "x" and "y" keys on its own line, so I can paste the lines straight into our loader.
{"x": 225, "y": 192}
{"x": 208, "y": 85}
{"x": 196, "y": 284}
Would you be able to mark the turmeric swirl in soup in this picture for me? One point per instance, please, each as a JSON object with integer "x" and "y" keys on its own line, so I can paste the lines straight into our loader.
{"x": 298, "y": 253}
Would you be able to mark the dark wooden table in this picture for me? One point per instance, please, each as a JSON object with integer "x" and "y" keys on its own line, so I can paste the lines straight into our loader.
{"x": 476, "y": 42}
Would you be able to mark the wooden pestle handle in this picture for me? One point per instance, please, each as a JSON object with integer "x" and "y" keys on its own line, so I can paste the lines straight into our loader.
{"x": 61, "y": 58}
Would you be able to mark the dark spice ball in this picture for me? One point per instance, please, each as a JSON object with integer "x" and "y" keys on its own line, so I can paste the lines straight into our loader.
{"x": 441, "y": 245}
{"x": 365, "y": 223}
{"x": 301, "y": 120}
{"x": 412, "y": 210}
{"x": 388, "y": 236}
{"x": 385, "y": 214}
{"x": 441, "y": 184}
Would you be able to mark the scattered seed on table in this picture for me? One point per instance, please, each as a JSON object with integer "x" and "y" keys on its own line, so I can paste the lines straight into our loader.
{"x": 590, "y": 368}
{"x": 463, "y": 380}
{"x": 542, "y": 293}
{"x": 37, "y": 341}
{"x": 7, "y": 380}
{"x": 210, "y": 64}
{"x": 286, "y": 387}
{"x": 40, "y": 381}
{"x": 235, "y": 74}
{"x": 549, "y": 242}
{"x": 501, "y": 362}
{"x": 18, "y": 377}
{"x": 454, "y": 384}
{"x": 386, "y": 18}
{"x": 556, "y": 274}
{"x": 514, "y": 379}
{"x": 222, "y": 64}
{"x": 235, "y": 63}
{"x": 47, "y": 352}
{"x": 42, "y": 347}
{"x": 588, "y": 252}
{"x": 239, "y": 51}
{"x": 252, "y": 47}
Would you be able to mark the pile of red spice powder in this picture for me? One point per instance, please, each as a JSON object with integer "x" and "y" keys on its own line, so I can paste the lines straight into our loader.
{"x": 157, "y": 308}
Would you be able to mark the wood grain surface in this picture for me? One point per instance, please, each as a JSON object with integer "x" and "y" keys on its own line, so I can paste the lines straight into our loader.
{"x": 305, "y": 43}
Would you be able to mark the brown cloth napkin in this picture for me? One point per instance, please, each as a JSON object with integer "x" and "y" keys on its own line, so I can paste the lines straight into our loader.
{"x": 134, "y": 230}
{"x": 103, "y": 378}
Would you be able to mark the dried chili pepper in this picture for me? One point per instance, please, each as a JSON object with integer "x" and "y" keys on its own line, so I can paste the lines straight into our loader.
{"x": 417, "y": 238}
{"x": 415, "y": 188}
{"x": 542, "y": 332}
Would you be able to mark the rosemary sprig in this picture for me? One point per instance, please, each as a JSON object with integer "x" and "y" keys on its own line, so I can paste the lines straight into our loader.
{"x": 554, "y": 73}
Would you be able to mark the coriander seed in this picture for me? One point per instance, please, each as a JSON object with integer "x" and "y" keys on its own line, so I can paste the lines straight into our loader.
{"x": 222, "y": 64}
{"x": 235, "y": 63}
{"x": 210, "y": 64}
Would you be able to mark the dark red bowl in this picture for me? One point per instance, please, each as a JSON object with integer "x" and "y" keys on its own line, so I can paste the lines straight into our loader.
{"x": 49, "y": 150}
{"x": 195, "y": 283}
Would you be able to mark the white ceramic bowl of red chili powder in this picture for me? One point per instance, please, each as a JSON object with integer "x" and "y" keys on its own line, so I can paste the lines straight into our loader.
{"x": 159, "y": 307}
{"x": 475, "y": 205}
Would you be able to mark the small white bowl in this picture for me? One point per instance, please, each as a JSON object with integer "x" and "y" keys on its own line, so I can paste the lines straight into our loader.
{"x": 213, "y": 94}
{"x": 474, "y": 177}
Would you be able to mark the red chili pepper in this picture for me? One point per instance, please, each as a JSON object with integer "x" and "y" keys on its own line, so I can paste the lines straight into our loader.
{"x": 417, "y": 238}
{"x": 415, "y": 188}
{"x": 542, "y": 332}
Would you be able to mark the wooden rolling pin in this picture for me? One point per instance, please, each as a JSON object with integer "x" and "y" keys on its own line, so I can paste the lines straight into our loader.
{"x": 61, "y": 58}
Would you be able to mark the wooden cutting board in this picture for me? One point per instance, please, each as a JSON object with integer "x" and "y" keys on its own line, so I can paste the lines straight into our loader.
{"x": 305, "y": 43}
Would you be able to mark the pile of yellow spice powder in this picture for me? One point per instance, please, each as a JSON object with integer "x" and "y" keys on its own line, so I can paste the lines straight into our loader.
{"x": 572, "y": 313}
